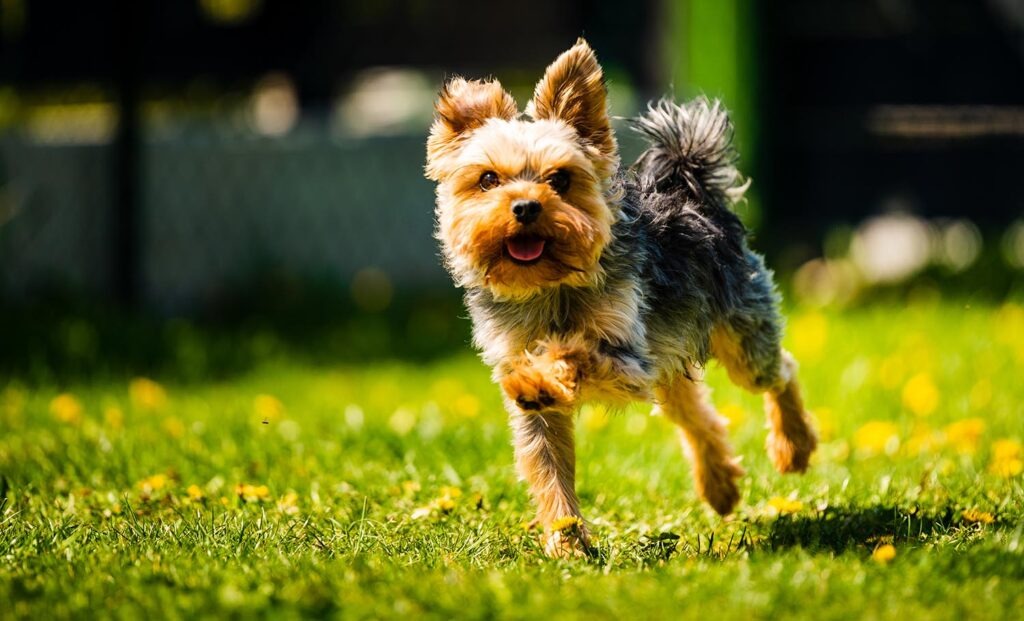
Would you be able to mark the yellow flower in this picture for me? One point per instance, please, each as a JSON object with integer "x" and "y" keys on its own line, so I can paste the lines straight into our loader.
{"x": 778, "y": 505}
{"x": 450, "y": 492}
{"x": 66, "y": 408}
{"x": 1006, "y": 458}
{"x": 195, "y": 492}
{"x": 467, "y": 405}
{"x": 877, "y": 437}
{"x": 567, "y": 523}
{"x": 884, "y": 553}
{"x": 147, "y": 394}
{"x": 153, "y": 483}
{"x": 963, "y": 435}
{"x": 1006, "y": 449}
{"x": 444, "y": 503}
{"x": 113, "y": 417}
{"x": 268, "y": 408}
{"x": 288, "y": 504}
{"x": 734, "y": 413}
{"x": 594, "y": 417}
{"x": 252, "y": 493}
{"x": 920, "y": 395}
{"x": 891, "y": 371}
{"x": 924, "y": 440}
{"x": 975, "y": 516}
{"x": 810, "y": 335}
{"x": 173, "y": 426}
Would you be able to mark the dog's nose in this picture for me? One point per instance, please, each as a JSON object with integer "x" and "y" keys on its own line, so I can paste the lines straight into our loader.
{"x": 525, "y": 211}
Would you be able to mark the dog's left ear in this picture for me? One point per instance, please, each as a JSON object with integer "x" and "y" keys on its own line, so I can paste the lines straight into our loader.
{"x": 573, "y": 90}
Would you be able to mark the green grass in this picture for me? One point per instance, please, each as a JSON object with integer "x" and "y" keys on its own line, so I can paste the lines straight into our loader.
{"x": 390, "y": 490}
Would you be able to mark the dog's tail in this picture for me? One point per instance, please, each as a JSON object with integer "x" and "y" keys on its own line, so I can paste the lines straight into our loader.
{"x": 690, "y": 150}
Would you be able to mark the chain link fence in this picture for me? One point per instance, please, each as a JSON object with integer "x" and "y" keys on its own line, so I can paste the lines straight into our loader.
{"x": 217, "y": 210}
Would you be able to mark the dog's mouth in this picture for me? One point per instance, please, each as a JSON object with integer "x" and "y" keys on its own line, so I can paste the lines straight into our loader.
{"x": 525, "y": 249}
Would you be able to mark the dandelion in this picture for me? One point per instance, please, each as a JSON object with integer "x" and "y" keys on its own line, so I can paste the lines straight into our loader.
{"x": 1006, "y": 458}
{"x": 883, "y": 554}
{"x": 594, "y": 417}
{"x": 963, "y": 435}
{"x": 976, "y": 516}
{"x": 173, "y": 427}
{"x": 566, "y": 524}
{"x": 152, "y": 484}
{"x": 443, "y": 504}
{"x": 268, "y": 408}
{"x": 450, "y": 492}
{"x": 113, "y": 417}
{"x": 877, "y": 437}
{"x": 252, "y": 493}
{"x": 779, "y": 505}
{"x": 467, "y": 405}
{"x": 288, "y": 504}
{"x": 920, "y": 395}
{"x": 733, "y": 413}
{"x": 195, "y": 493}
{"x": 66, "y": 408}
{"x": 924, "y": 440}
{"x": 402, "y": 421}
{"x": 147, "y": 394}
{"x": 810, "y": 335}
{"x": 891, "y": 371}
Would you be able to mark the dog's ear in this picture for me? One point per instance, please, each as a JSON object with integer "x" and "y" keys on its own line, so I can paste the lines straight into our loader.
{"x": 462, "y": 106}
{"x": 573, "y": 90}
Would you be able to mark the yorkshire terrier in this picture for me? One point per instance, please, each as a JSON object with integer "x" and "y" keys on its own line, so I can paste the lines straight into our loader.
{"x": 587, "y": 282}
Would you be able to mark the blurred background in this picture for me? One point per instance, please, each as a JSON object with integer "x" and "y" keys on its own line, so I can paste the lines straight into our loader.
{"x": 187, "y": 186}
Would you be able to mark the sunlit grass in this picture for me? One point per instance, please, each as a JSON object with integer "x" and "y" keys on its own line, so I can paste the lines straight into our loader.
{"x": 386, "y": 489}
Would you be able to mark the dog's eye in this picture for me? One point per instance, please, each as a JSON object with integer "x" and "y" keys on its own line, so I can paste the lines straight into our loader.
{"x": 559, "y": 181}
{"x": 488, "y": 180}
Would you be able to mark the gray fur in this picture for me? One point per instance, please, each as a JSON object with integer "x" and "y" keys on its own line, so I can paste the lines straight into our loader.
{"x": 678, "y": 263}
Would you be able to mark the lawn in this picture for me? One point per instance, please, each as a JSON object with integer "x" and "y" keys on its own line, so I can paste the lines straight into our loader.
{"x": 292, "y": 487}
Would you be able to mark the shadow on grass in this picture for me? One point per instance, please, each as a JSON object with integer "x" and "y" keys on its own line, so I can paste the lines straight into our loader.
{"x": 838, "y": 529}
{"x": 834, "y": 530}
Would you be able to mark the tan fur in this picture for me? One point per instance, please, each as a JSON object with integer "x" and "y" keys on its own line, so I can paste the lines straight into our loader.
{"x": 546, "y": 459}
{"x": 573, "y": 90}
{"x": 791, "y": 436}
{"x": 463, "y": 105}
{"x": 684, "y": 402}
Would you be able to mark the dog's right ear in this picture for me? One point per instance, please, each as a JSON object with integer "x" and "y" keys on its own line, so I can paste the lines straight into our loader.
{"x": 462, "y": 106}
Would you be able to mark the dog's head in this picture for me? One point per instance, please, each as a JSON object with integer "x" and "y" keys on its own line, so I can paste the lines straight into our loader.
{"x": 522, "y": 200}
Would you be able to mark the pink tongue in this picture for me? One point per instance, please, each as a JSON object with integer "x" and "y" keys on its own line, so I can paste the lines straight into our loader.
{"x": 525, "y": 248}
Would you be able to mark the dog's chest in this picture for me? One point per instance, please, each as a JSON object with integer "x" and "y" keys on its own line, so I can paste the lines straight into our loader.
{"x": 610, "y": 315}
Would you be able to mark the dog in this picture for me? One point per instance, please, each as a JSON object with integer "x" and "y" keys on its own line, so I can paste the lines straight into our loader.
{"x": 585, "y": 281}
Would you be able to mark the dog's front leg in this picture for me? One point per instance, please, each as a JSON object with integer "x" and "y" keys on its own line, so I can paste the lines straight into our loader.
{"x": 546, "y": 459}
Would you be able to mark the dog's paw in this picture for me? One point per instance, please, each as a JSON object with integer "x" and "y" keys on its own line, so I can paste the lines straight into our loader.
{"x": 541, "y": 383}
{"x": 716, "y": 484}
{"x": 792, "y": 453}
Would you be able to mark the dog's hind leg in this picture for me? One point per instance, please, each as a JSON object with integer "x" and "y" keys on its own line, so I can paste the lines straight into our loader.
{"x": 684, "y": 401}
{"x": 750, "y": 351}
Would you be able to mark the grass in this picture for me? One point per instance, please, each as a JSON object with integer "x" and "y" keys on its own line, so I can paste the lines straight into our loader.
{"x": 380, "y": 489}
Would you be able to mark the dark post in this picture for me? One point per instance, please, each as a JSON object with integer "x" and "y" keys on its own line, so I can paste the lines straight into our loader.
{"x": 126, "y": 165}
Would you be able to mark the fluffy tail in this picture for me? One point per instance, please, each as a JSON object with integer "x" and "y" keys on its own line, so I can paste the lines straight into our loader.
{"x": 691, "y": 150}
